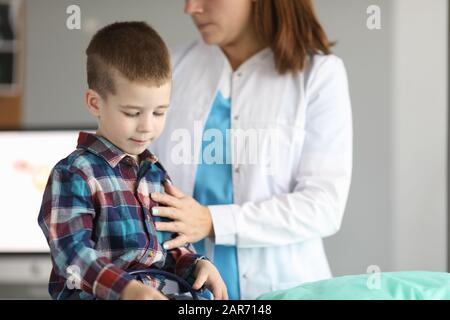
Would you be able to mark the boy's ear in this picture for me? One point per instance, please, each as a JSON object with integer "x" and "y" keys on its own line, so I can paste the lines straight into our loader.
{"x": 94, "y": 102}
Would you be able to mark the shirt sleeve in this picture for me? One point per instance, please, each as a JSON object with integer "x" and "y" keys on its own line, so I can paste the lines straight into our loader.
{"x": 66, "y": 218}
{"x": 315, "y": 207}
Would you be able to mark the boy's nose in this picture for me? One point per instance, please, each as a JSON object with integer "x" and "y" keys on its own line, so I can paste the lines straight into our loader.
{"x": 146, "y": 125}
{"x": 193, "y": 6}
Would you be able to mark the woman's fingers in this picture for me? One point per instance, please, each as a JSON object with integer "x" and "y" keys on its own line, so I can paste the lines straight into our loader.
{"x": 166, "y": 212}
{"x": 172, "y": 190}
{"x": 165, "y": 199}
{"x": 174, "y": 226}
{"x": 187, "y": 215}
{"x": 177, "y": 242}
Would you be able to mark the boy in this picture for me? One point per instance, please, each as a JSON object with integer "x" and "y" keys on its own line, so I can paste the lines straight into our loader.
{"x": 96, "y": 207}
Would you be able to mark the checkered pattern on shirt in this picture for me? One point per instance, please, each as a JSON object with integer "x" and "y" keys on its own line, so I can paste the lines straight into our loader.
{"x": 96, "y": 217}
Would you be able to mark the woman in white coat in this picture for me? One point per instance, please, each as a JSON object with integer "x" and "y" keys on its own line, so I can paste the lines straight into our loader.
{"x": 258, "y": 143}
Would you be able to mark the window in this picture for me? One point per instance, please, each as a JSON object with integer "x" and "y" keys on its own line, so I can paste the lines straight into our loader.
{"x": 12, "y": 21}
{"x": 24, "y": 171}
{"x": 8, "y": 48}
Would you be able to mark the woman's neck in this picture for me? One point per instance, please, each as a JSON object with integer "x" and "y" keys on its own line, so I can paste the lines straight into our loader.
{"x": 242, "y": 49}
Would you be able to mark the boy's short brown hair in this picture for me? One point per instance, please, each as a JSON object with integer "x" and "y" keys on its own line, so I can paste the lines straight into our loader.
{"x": 134, "y": 49}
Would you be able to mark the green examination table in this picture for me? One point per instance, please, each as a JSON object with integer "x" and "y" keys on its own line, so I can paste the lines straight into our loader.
{"x": 405, "y": 285}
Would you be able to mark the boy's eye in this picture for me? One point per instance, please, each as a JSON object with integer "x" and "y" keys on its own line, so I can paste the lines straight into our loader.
{"x": 131, "y": 114}
{"x": 158, "y": 114}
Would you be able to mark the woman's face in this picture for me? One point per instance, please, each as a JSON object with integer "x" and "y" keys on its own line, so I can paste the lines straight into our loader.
{"x": 221, "y": 22}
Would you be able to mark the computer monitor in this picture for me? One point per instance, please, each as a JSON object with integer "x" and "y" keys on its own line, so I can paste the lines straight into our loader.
{"x": 26, "y": 159}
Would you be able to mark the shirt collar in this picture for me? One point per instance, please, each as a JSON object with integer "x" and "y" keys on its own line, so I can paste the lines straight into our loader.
{"x": 259, "y": 57}
{"x": 103, "y": 148}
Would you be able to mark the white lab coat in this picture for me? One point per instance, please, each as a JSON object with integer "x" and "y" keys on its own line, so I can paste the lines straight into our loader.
{"x": 296, "y": 192}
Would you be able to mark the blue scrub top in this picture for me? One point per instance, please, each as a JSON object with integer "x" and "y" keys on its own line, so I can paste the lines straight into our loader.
{"x": 214, "y": 186}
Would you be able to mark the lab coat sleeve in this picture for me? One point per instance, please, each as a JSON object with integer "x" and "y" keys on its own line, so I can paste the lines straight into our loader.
{"x": 315, "y": 207}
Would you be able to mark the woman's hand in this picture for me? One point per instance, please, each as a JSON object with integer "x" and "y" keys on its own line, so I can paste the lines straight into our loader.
{"x": 207, "y": 274}
{"x": 190, "y": 220}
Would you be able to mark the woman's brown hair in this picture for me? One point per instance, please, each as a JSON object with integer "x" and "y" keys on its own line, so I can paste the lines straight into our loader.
{"x": 292, "y": 30}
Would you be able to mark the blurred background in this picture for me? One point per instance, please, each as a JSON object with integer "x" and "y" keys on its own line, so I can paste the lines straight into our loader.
{"x": 397, "y": 64}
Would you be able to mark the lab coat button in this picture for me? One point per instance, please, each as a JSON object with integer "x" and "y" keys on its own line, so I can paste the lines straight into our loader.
{"x": 236, "y": 117}
{"x": 237, "y": 170}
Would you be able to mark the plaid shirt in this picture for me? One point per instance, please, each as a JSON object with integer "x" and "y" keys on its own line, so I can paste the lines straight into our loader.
{"x": 96, "y": 216}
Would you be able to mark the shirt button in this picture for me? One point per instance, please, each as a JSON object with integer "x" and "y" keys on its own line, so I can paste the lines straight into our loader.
{"x": 239, "y": 74}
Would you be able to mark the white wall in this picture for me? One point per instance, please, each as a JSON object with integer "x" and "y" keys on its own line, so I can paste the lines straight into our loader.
{"x": 419, "y": 140}
{"x": 396, "y": 216}
{"x": 364, "y": 238}
{"x": 55, "y": 59}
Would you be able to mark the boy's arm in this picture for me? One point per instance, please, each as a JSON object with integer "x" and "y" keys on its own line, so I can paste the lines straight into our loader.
{"x": 66, "y": 218}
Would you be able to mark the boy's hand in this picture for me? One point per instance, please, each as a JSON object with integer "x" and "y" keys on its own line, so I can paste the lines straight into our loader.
{"x": 136, "y": 290}
{"x": 207, "y": 274}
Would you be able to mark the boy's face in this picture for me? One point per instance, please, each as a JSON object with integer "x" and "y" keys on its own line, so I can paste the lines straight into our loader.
{"x": 133, "y": 117}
